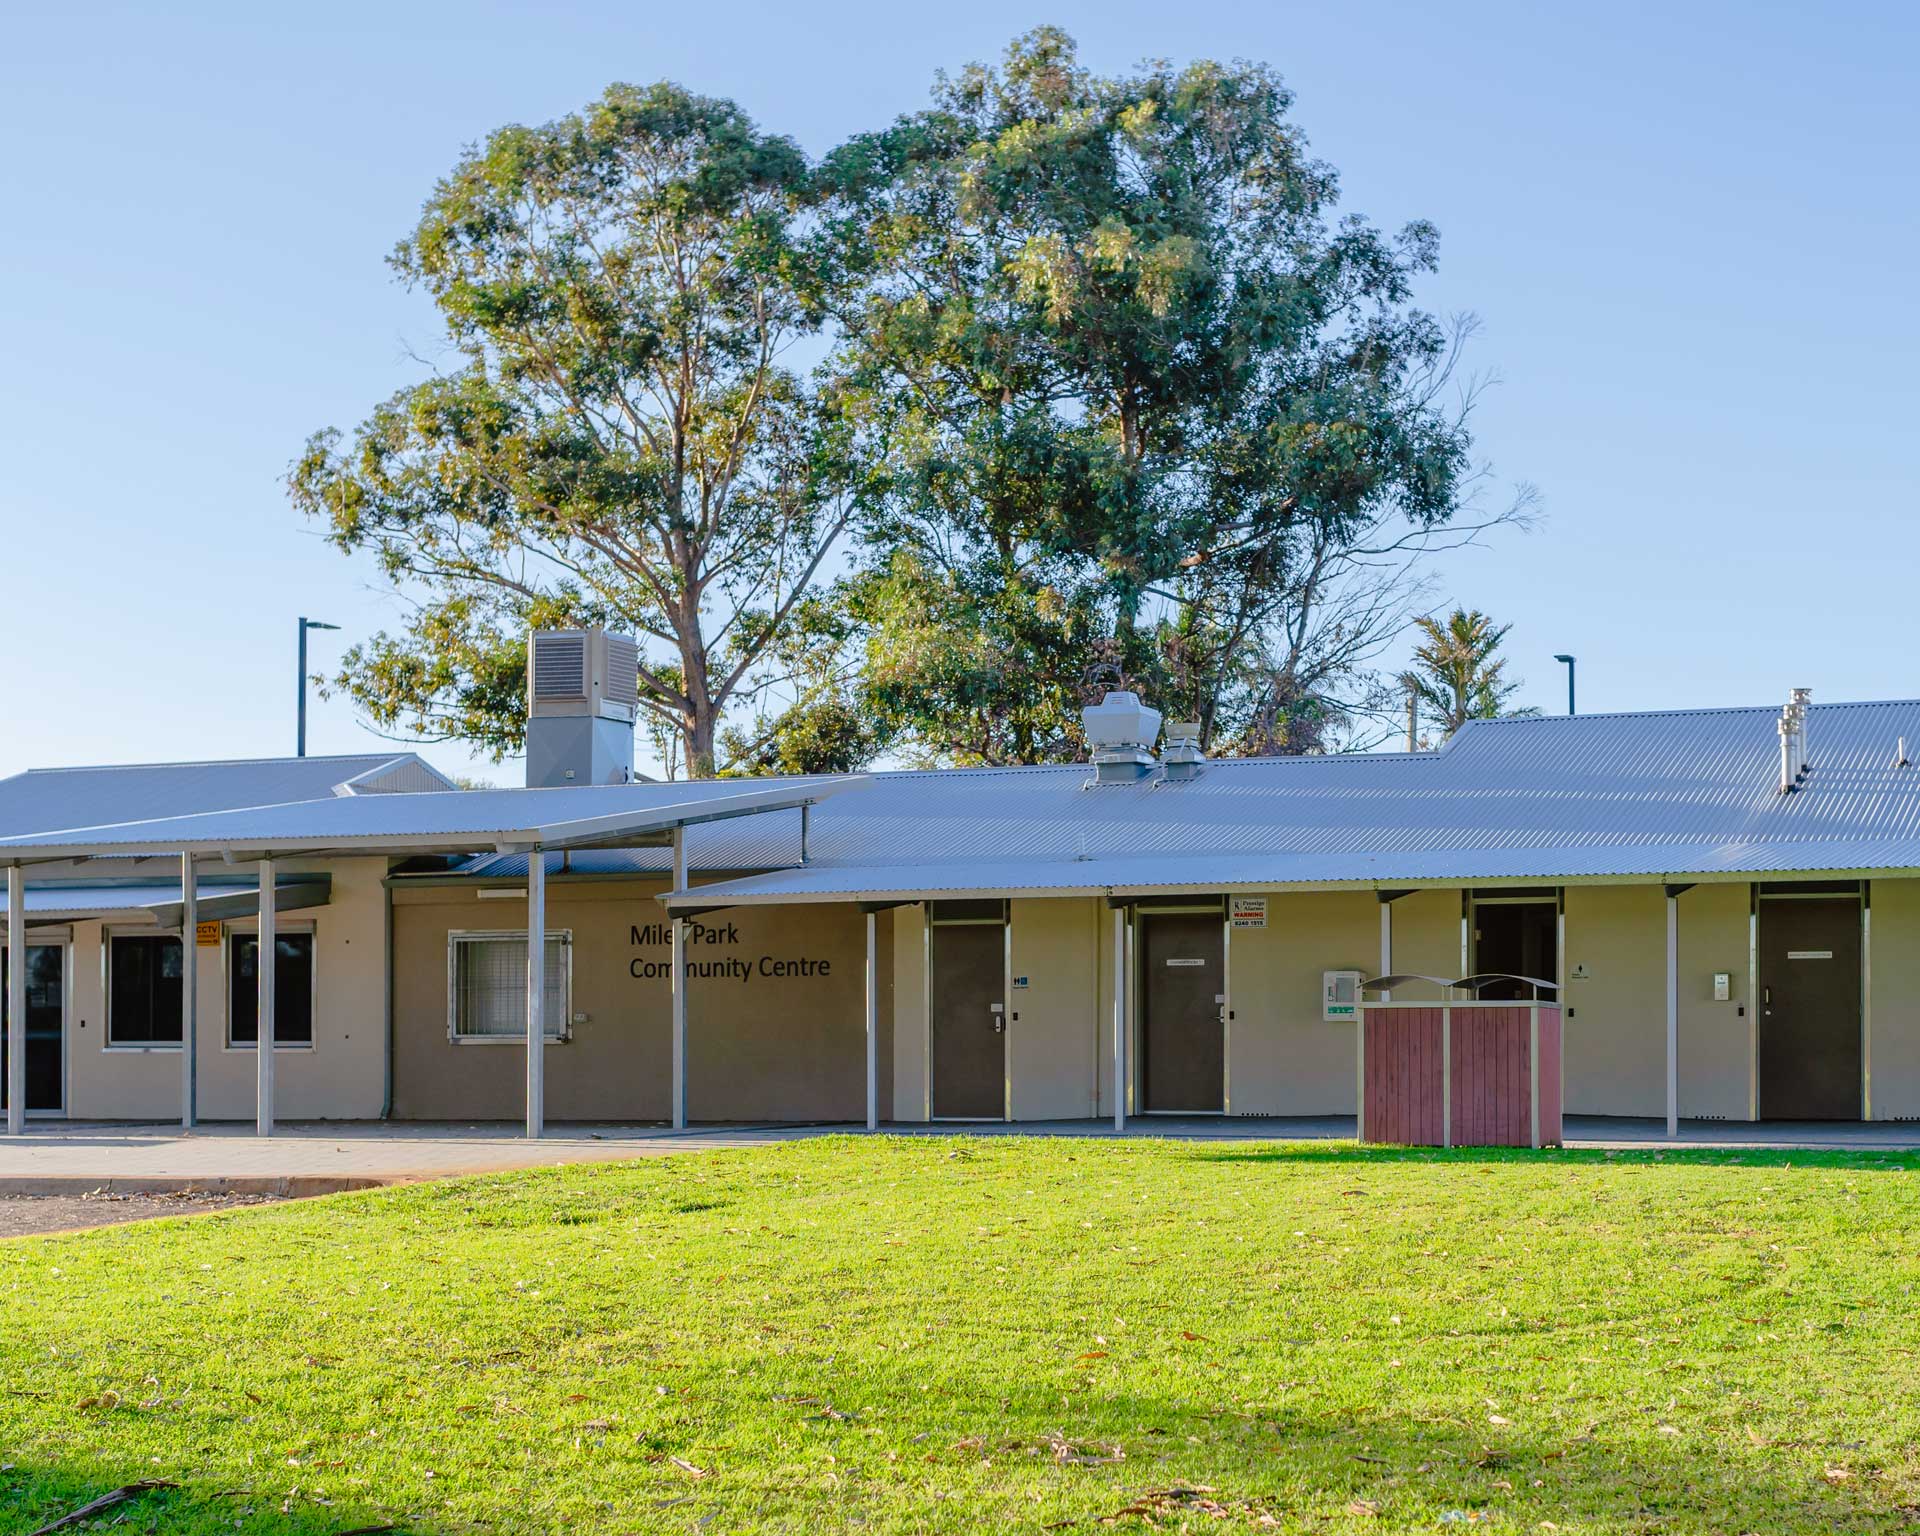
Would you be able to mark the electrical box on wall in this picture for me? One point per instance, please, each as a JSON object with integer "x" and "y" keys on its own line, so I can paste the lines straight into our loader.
{"x": 1722, "y": 986}
{"x": 1339, "y": 995}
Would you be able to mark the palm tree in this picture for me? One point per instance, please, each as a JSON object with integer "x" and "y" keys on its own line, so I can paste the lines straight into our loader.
{"x": 1457, "y": 673}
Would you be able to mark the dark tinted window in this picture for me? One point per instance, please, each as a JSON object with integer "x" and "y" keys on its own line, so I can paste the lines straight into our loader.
{"x": 969, "y": 911}
{"x": 143, "y": 997}
{"x": 292, "y": 989}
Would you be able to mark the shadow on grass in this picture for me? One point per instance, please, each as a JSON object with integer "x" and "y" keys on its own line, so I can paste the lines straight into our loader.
{"x": 33, "y": 1497}
{"x": 1391, "y": 1470}
{"x": 1350, "y": 1155}
{"x": 1379, "y": 1472}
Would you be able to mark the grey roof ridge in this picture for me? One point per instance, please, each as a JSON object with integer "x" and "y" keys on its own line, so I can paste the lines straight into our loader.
{"x": 347, "y": 787}
{"x": 1698, "y": 710}
{"x": 1011, "y": 770}
{"x": 375, "y": 758}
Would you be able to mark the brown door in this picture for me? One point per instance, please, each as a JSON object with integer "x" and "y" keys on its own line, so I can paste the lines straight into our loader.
{"x": 1183, "y": 1035}
{"x": 1520, "y": 938}
{"x": 1810, "y": 1008}
{"x": 969, "y": 1026}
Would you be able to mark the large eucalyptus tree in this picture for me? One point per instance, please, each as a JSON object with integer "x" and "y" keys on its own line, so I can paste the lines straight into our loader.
{"x": 1129, "y": 397}
{"x": 619, "y": 438}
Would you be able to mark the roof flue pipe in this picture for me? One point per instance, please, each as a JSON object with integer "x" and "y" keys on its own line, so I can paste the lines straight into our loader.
{"x": 1794, "y": 761}
{"x": 1121, "y": 732}
{"x": 1803, "y": 712}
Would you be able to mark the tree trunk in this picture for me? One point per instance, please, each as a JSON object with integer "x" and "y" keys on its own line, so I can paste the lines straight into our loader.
{"x": 700, "y": 716}
{"x": 697, "y": 733}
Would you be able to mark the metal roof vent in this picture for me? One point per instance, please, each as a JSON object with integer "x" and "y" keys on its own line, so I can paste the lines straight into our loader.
{"x": 1183, "y": 758}
{"x": 582, "y": 696}
{"x": 1121, "y": 731}
{"x": 1794, "y": 761}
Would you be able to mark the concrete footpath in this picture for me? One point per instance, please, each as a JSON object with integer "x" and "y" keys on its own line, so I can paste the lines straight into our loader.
{"x": 322, "y": 1158}
{"x": 59, "y": 1157}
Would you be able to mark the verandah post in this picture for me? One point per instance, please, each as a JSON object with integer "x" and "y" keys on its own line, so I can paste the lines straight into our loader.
{"x": 265, "y": 951}
{"x": 536, "y": 993}
{"x": 679, "y": 985}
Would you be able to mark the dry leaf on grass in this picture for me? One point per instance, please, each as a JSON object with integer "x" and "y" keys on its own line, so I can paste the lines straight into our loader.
{"x": 1068, "y": 1454}
{"x": 105, "y": 1502}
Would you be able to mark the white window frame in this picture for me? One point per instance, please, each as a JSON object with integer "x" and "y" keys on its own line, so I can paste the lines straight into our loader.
{"x": 250, "y": 927}
{"x": 559, "y": 1035}
{"x": 108, "y": 933}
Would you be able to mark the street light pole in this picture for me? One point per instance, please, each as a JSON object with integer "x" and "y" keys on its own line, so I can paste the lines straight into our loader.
{"x": 1569, "y": 661}
{"x": 300, "y": 734}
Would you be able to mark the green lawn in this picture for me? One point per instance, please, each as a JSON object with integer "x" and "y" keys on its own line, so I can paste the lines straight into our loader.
{"x": 924, "y": 1334}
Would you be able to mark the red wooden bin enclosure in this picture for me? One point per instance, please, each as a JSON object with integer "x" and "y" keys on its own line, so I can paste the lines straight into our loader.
{"x": 1460, "y": 1071}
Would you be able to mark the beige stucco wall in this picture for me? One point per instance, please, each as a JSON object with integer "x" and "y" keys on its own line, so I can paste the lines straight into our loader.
{"x": 762, "y": 1047}
{"x": 794, "y": 1048}
{"x": 1615, "y": 1031}
{"x": 1053, "y": 1044}
{"x": 1893, "y": 971}
{"x": 1056, "y": 1047}
{"x": 340, "y": 1077}
{"x": 1426, "y": 933}
{"x": 1716, "y": 1040}
{"x": 1283, "y": 1057}
{"x": 909, "y": 1012}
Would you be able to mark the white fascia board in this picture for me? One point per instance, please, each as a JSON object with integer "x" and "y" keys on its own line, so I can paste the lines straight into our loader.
{"x": 584, "y": 831}
{"x": 718, "y": 893}
{"x": 626, "y": 824}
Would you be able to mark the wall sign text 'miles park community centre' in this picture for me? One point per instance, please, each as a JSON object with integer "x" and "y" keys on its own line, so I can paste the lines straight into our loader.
{"x": 659, "y": 935}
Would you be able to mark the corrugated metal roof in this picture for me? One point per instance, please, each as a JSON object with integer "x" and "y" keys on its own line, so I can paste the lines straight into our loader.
{"x": 48, "y": 799}
{"x": 447, "y": 821}
{"x": 47, "y": 903}
{"x": 1595, "y": 796}
{"x": 1591, "y": 796}
{"x": 160, "y": 900}
{"x": 1126, "y": 876}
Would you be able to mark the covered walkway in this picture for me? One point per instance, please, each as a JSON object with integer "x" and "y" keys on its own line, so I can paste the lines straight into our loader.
{"x": 303, "y": 1159}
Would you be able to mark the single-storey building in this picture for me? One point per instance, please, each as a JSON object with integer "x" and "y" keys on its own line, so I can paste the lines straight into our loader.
{"x": 1727, "y": 899}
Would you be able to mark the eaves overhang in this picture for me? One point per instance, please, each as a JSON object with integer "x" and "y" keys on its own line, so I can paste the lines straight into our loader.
{"x": 452, "y": 822}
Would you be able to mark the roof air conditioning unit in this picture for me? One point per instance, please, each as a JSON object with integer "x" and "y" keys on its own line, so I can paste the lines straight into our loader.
{"x": 583, "y": 672}
{"x": 582, "y": 697}
{"x": 1121, "y": 731}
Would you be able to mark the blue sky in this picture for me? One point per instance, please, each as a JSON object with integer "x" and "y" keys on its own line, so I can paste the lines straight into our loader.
{"x": 1689, "y": 231}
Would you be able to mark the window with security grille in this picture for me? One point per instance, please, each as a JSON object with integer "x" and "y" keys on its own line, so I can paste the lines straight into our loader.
{"x": 488, "y": 980}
